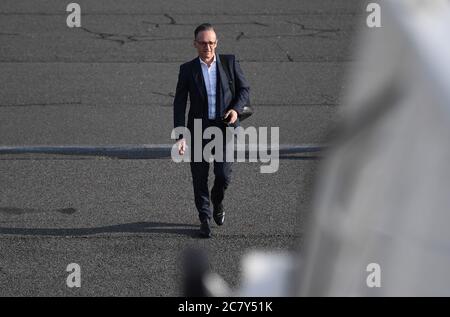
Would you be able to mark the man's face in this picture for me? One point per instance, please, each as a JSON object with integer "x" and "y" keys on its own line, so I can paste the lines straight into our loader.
{"x": 206, "y": 43}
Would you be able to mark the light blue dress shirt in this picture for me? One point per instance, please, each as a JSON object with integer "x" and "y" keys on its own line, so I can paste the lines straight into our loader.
{"x": 210, "y": 77}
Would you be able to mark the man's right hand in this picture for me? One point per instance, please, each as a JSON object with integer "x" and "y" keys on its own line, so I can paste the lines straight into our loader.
{"x": 181, "y": 146}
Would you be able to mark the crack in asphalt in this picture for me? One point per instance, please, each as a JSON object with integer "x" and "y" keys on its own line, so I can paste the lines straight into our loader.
{"x": 118, "y": 38}
{"x": 286, "y": 52}
{"x": 127, "y": 38}
{"x": 9, "y": 34}
{"x": 172, "y": 20}
{"x": 121, "y": 39}
{"x": 170, "y": 94}
{"x": 317, "y": 30}
{"x": 328, "y": 98}
{"x": 218, "y": 23}
{"x": 190, "y": 14}
{"x": 41, "y": 104}
{"x": 285, "y": 36}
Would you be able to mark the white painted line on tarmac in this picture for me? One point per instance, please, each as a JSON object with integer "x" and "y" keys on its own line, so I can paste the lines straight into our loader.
{"x": 143, "y": 151}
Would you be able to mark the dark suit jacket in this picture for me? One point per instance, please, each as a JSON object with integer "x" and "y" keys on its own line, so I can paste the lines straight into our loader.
{"x": 191, "y": 82}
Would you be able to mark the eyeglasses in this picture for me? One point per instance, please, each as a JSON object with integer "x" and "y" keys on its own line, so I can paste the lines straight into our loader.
{"x": 206, "y": 43}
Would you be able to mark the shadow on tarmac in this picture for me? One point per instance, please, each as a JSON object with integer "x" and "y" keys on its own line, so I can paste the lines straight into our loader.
{"x": 136, "y": 227}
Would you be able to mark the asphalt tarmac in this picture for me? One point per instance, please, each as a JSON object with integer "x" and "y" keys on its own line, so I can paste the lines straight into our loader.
{"x": 112, "y": 82}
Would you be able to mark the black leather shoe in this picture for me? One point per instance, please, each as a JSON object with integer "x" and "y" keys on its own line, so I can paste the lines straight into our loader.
{"x": 219, "y": 214}
{"x": 205, "y": 230}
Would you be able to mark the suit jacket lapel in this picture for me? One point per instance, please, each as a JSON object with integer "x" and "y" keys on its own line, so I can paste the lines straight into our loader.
{"x": 198, "y": 78}
{"x": 224, "y": 83}
{"x": 222, "y": 74}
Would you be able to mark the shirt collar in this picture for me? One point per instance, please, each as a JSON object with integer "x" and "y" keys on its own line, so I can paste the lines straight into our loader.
{"x": 213, "y": 62}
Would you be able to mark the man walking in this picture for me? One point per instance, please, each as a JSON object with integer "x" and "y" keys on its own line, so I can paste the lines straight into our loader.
{"x": 208, "y": 80}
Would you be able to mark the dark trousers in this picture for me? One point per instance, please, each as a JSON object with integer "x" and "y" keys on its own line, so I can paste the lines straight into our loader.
{"x": 200, "y": 173}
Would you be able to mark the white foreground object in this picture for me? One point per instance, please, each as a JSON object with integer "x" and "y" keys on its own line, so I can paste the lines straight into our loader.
{"x": 266, "y": 274}
{"x": 384, "y": 191}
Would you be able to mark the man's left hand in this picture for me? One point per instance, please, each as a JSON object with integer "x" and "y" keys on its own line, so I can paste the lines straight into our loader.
{"x": 231, "y": 115}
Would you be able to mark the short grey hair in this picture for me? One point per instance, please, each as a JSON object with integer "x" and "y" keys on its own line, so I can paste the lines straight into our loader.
{"x": 203, "y": 27}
